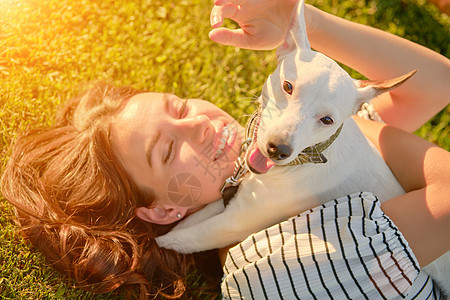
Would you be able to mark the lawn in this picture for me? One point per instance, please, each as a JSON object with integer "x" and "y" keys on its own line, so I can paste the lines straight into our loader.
{"x": 52, "y": 49}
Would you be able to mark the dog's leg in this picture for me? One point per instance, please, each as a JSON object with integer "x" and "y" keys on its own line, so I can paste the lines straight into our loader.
{"x": 233, "y": 225}
{"x": 216, "y": 232}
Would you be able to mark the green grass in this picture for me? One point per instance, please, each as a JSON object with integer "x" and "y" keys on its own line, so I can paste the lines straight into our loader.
{"x": 50, "y": 50}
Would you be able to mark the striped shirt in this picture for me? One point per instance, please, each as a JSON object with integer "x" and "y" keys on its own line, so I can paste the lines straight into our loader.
{"x": 344, "y": 249}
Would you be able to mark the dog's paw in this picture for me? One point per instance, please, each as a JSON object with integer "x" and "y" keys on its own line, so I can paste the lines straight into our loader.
{"x": 170, "y": 241}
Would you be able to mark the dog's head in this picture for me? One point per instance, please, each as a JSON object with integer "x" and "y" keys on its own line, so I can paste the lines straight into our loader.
{"x": 305, "y": 100}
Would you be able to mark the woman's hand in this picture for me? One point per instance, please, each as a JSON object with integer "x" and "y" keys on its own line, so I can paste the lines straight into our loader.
{"x": 263, "y": 23}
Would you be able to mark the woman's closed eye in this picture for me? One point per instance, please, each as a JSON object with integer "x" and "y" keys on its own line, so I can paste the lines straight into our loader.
{"x": 183, "y": 109}
{"x": 168, "y": 152}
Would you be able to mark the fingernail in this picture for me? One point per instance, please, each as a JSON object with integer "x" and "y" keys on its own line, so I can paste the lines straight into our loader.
{"x": 215, "y": 20}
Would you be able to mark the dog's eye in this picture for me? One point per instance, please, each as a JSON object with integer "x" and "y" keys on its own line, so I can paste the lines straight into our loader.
{"x": 327, "y": 120}
{"x": 287, "y": 87}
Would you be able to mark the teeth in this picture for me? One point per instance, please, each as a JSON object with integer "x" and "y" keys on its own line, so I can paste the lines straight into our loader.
{"x": 232, "y": 135}
{"x": 226, "y": 134}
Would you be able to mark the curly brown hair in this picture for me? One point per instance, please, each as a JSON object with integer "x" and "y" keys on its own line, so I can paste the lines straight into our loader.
{"x": 75, "y": 202}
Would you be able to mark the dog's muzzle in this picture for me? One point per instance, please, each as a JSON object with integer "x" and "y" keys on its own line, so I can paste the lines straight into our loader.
{"x": 278, "y": 152}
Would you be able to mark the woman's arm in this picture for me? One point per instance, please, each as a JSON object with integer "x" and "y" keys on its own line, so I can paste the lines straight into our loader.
{"x": 380, "y": 55}
{"x": 423, "y": 169}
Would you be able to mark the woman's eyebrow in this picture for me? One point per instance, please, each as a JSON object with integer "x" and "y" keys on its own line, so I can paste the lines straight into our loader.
{"x": 150, "y": 147}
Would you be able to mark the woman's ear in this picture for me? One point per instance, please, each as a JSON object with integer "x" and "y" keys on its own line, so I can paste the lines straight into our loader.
{"x": 160, "y": 214}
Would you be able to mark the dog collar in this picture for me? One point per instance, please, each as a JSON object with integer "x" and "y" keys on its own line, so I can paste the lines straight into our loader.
{"x": 231, "y": 184}
{"x": 313, "y": 154}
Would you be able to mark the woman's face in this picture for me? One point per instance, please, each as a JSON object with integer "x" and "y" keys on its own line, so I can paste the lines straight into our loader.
{"x": 183, "y": 150}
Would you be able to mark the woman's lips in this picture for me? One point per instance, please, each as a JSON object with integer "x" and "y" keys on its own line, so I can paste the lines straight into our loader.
{"x": 225, "y": 142}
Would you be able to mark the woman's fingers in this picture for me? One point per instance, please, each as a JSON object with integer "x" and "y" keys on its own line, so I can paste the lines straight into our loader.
{"x": 223, "y": 2}
{"x": 241, "y": 39}
{"x": 225, "y": 36}
{"x": 226, "y": 9}
{"x": 263, "y": 23}
{"x": 229, "y": 37}
{"x": 219, "y": 13}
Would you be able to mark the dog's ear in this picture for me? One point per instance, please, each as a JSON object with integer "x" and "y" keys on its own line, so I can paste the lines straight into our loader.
{"x": 296, "y": 37}
{"x": 368, "y": 89}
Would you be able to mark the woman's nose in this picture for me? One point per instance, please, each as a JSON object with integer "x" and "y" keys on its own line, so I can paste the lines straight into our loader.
{"x": 196, "y": 128}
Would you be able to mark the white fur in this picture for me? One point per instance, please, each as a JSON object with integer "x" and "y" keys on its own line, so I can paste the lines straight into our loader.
{"x": 320, "y": 88}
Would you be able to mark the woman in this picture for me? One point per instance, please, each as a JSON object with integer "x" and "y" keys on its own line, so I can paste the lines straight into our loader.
{"x": 88, "y": 200}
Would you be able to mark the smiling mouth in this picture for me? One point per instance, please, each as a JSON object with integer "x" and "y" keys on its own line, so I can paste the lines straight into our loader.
{"x": 228, "y": 136}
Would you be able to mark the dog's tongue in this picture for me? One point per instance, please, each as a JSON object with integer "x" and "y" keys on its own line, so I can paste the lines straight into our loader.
{"x": 258, "y": 161}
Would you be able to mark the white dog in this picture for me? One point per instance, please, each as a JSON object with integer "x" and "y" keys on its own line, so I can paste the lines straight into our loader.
{"x": 307, "y": 101}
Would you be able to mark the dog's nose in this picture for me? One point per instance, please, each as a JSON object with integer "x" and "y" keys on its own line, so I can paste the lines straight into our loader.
{"x": 278, "y": 152}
